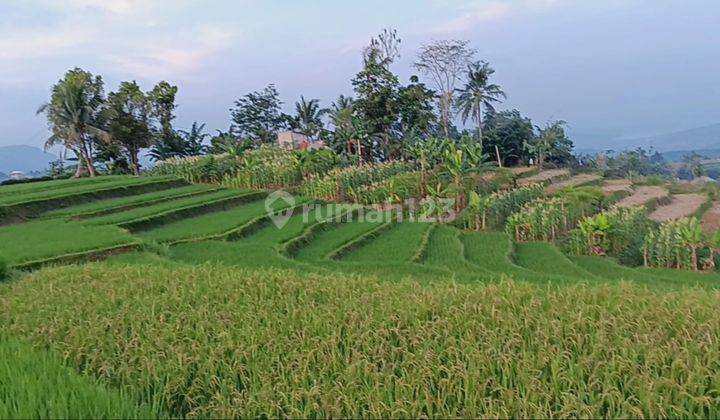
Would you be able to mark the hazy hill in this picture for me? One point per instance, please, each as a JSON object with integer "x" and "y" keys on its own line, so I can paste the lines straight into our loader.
{"x": 700, "y": 138}
{"x": 24, "y": 158}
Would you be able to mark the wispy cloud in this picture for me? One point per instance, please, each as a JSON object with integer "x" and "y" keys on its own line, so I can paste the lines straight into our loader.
{"x": 474, "y": 12}
{"x": 135, "y": 37}
{"x": 178, "y": 59}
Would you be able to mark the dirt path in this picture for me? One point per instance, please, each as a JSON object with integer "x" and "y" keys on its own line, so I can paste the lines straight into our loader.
{"x": 573, "y": 182}
{"x": 545, "y": 176}
{"x": 711, "y": 219}
{"x": 616, "y": 185}
{"x": 643, "y": 195}
{"x": 682, "y": 205}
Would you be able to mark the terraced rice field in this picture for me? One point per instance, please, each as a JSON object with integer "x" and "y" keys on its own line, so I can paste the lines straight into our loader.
{"x": 98, "y": 208}
{"x": 46, "y": 239}
{"x": 643, "y": 195}
{"x": 574, "y": 181}
{"x": 221, "y": 313}
{"x": 682, "y": 205}
{"x": 552, "y": 175}
{"x": 612, "y": 186}
{"x": 143, "y": 212}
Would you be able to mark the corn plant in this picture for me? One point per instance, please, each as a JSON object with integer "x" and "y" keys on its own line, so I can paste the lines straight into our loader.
{"x": 539, "y": 220}
{"x": 618, "y": 232}
{"x": 675, "y": 244}
{"x": 346, "y": 183}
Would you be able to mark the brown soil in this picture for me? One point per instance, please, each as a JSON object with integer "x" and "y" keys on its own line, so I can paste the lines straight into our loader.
{"x": 545, "y": 176}
{"x": 617, "y": 185}
{"x": 572, "y": 182}
{"x": 682, "y": 205}
{"x": 711, "y": 219}
{"x": 643, "y": 195}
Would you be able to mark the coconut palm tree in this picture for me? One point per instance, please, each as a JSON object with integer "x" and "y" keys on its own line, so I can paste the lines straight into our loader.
{"x": 308, "y": 117}
{"x": 73, "y": 114}
{"x": 478, "y": 93}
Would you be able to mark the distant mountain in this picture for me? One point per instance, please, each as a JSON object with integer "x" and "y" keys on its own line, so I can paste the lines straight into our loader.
{"x": 700, "y": 138}
{"x": 678, "y": 155}
{"x": 24, "y": 158}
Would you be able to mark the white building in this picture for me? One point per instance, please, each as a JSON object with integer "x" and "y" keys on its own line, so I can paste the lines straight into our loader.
{"x": 17, "y": 175}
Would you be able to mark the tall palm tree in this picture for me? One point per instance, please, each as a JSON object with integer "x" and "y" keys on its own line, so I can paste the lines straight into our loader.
{"x": 308, "y": 117}
{"x": 72, "y": 114}
{"x": 477, "y": 93}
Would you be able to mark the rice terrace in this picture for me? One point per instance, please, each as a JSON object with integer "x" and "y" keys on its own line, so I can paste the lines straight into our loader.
{"x": 408, "y": 252}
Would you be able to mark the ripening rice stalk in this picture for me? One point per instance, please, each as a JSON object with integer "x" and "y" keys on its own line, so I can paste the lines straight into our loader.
{"x": 218, "y": 342}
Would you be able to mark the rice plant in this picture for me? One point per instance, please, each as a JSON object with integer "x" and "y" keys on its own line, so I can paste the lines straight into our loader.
{"x": 214, "y": 341}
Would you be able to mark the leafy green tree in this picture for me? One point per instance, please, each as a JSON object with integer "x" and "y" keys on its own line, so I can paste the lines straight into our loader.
{"x": 257, "y": 116}
{"x": 308, "y": 118}
{"x": 692, "y": 166}
{"x": 167, "y": 142}
{"x": 75, "y": 116}
{"x": 112, "y": 156}
{"x": 638, "y": 161}
{"x": 477, "y": 93}
{"x": 377, "y": 100}
{"x": 130, "y": 121}
{"x": 551, "y": 144}
{"x": 505, "y": 134}
{"x": 415, "y": 108}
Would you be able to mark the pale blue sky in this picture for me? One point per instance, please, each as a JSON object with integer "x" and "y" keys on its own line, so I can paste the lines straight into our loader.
{"x": 611, "y": 68}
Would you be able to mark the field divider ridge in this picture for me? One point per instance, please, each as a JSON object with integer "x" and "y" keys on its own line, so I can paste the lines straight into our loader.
{"x": 289, "y": 248}
{"x": 422, "y": 250}
{"x": 358, "y": 241}
{"x": 80, "y": 256}
{"x": 89, "y": 215}
{"x": 150, "y": 222}
{"x": 33, "y": 208}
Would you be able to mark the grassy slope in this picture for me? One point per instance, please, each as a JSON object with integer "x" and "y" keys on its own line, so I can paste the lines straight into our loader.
{"x": 70, "y": 189}
{"x": 106, "y": 206}
{"x": 220, "y": 342}
{"x": 396, "y": 245}
{"x": 446, "y": 250}
{"x": 545, "y": 258}
{"x": 492, "y": 251}
{"x": 50, "y": 238}
{"x": 35, "y": 384}
{"x": 142, "y": 212}
{"x": 609, "y": 269}
{"x": 205, "y": 225}
{"x": 331, "y": 239}
{"x": 257, "y": 250}
{"x": 36, "y": 187}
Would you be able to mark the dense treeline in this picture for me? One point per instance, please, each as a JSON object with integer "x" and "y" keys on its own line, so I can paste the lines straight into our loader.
{"x": 384, "y": 120}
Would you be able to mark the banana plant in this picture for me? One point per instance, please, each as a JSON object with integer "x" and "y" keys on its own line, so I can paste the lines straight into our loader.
{"x": 713, "y": 243}
{"x": 692, "y": 236}
{"x": 596, "y": 229}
